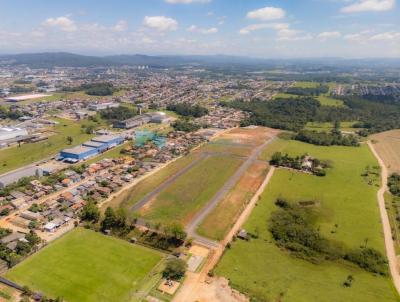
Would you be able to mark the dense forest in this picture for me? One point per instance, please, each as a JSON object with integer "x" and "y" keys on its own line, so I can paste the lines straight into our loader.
{"x": 294, "y": 113}
{"x": 117, "y": 114}
{"x": 185, "y": 125}
{"x": 186, "y": 109}
{"x": 394, "y": 184}
{"x": 96, "y": 89}
{"x": 6, "y": 113}
{"x": 326, "y": 138}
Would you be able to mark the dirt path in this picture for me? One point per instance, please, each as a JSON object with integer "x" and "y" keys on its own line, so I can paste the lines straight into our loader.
{"x": 391, "y": 255}
{"x": 195, "y": 288}
{"x": 192, "y": 226}
{"x": 141, "y": 203}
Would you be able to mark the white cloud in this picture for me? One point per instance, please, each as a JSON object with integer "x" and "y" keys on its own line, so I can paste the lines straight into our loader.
{"x": 387, "y": 36}
{"x": 267, "y": 14}
{"x": 369, "y": 5}
{"x": 62, "y": 23}
{"x": 121, "y": 25}
{"x": 254, "y": 27}
{"x": 160, "y": 23}
{"x": 293, "y": 35}
{"x": 186, "y": 1}
{"x": 329, "y": 35}
{"x": 205, "y": 31}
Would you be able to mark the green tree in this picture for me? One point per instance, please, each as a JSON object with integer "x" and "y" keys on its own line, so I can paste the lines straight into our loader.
{"x": 175, "y": 269}
{"x": 110, "y": 219}
{"x": 90, "y": 212}
{"x": 69, "y": 140}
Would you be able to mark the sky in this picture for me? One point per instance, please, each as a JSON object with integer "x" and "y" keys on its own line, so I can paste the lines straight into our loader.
{"x": 256, "y": 28}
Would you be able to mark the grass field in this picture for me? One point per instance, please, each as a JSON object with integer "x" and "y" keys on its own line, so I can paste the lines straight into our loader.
{"x": 387, "y": 144}
{"x": 227, "y": 148}
{"x": 317, "y": 126}
{"x": 129, "y": 197}
{"x": 326, "y": 100}
{"x": 221, "y": 219}
{"x": 305, "y": 84}
{"x": 180, "y": 201}
{"x": 16, "y": 157}
{"x": 262, "y": 270}
{"x": 84, "y": 266}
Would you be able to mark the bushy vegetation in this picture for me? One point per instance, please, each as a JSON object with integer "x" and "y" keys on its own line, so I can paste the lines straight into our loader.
{"x": 326, "y": 138}
{"x": 117, "y": 114}
{"x": 304, "y": 162}
{"x": 185, "y": 125}
{"x": 186, "y": 109}
{"x": 394, "y": 184}
{"x": 6, "y": 113}
{"x": 293, "y": 228}
{"x": 96, "y": 89}
{"x": 175, "y": 269}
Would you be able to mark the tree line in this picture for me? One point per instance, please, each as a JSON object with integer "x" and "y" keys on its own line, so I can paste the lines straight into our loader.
{"x": 186, "y": 109}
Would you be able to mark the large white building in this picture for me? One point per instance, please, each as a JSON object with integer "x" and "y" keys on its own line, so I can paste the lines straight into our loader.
{"x": 7, "y": 133}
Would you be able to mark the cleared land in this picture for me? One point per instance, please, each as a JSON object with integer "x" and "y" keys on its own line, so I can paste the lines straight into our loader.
{"x": 221, "y": 219}
{"x": 85, "y": 266}
{"x": 387, "y": 144}
{"x": 260, "y": 269}
{"x": 16, "y": 157}
{"x": 131, "y": 196}
{"x": 227, "y": 148}
{"x": 191, "y": 191}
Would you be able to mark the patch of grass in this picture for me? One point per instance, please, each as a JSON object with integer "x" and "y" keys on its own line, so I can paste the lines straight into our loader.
{"x": 191, "y": 191}
{"x": 85, "y": 266}
{"x": 305, "y": 84}
{"x": 285, "y": 96}
{"x": 392, "y": 205}
{"x": 329, "y": 101}
{"x": 223, "y": 216}
{"x": 348, "y": 213}
{"x": 16, "y": 157}
{"x": 221, "y": 147}
{"x": 129, "y": 197}
{"x": 319, "y": 126}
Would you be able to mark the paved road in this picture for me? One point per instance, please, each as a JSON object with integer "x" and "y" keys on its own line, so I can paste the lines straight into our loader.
{"x": 166, "y": 183}
{"x": 192, "y": 226}
{"x": 390, "y": 252}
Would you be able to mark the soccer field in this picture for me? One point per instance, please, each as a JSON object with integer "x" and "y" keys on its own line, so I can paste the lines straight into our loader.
{"x": 85, "y": 266}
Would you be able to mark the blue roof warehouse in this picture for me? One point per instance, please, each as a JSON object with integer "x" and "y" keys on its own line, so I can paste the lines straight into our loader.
{"x": 91, "y": 148}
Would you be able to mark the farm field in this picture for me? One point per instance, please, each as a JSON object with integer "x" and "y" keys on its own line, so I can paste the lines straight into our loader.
{"x": 329, "y": 101}
{"x": 221, "y": 219}
{"x": 16, "y": 157}
{"x": 262, "y": 270}
{"x": 128, "y": 198}
{"x": 387, "y": 144}
{"x": 85, "y": 266}
{"x": 190, "y": 192}
{"x": 304, "y": 84}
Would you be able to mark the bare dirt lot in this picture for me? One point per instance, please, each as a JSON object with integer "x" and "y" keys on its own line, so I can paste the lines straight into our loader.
{"x": 387, "y": 144}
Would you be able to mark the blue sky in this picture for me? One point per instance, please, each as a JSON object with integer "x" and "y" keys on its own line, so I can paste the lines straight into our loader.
{"x": 258, "y": 28}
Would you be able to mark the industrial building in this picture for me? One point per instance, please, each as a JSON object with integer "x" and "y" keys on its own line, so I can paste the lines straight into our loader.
{"x": 7, "y": 133}
{"x": 91, "y": 148}
{"x": 156, "y": 117}
{"x": 102, "y": 106}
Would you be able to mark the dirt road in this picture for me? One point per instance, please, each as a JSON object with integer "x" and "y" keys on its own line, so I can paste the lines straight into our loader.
{"x": 195, "y": 288}
{"x": 390, "y": 252}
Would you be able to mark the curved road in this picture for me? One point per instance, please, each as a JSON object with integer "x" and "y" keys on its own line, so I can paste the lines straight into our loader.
{"x": 390, "y": 252}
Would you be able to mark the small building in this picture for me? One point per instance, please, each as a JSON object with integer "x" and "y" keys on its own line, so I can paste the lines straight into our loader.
{"x": 243, "y": 235}
{"x": 103, "y": 106}
{"x": 31, "y": 216}
{"x": 7, "y": 133}
{"x": 78, "y": 153}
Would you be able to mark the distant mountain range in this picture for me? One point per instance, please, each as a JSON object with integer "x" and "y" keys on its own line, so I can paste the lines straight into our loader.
{"x": 64, "y": 59}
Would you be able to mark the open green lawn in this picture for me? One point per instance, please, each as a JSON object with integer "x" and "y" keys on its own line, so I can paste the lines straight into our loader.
{"x": 85, "y": 266}
{"x": 261, "y": 269}
{"x": 326, "y": 100}
{"x": 191, "y": 191}
{"x": 305, "y": 84}
{"x": 16, "y": 157}
{"x": 318, "y": 126}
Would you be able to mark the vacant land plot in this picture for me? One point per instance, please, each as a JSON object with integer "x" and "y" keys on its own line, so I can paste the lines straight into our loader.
{"x": 227, "y": 148}
{"x": 329, "y": 101}
{"x": 251, "y": 136}
{"x": 85, "y": 266}
{"x": 130, "y": 197}
{"x": 180, "y": 201}
{"x": 387, "y": 144}
{"x": 221, "y": 219}
{"x": 348, "y": 213}
{"x": 16, "y": 157}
